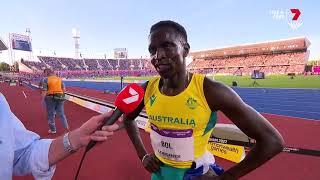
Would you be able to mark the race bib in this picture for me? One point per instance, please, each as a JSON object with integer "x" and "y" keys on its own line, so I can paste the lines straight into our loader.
{"x": 172, "y": 144}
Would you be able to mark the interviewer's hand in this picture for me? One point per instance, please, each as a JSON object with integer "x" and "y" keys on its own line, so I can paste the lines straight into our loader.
{"x": 151, "y": 163}
{"x": 88, "y": 131}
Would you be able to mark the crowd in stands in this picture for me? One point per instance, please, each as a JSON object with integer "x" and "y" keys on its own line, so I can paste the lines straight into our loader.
{"x": 33, "y": 65}
{"x": 92, "y": 68}
{"x": 269, "y": 63}
{"x": 281, "y": 63}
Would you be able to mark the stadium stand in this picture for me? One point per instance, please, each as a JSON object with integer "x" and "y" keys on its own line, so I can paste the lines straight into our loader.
{"x": 92, "y": 68}
{"x": 273, "y": 57}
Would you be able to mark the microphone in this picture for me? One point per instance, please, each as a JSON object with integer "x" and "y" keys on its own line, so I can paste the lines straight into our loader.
{"x": 126, "y": 102}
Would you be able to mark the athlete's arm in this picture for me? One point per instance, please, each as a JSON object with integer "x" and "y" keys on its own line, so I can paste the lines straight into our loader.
{"x": 133, "y": 130}
{"x": 269, "y": 141}
{"x": 150, "y": 162}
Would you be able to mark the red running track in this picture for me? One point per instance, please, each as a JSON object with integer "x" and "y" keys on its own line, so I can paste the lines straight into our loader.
{"x": 116, "y": 159}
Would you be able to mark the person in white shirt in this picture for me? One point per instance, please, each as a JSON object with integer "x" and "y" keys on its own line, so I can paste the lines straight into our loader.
{"x": 23, "y": 152}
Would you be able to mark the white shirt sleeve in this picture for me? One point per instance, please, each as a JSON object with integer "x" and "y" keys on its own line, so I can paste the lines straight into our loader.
{"x": 30, "y": 152}
{"x": 34, "y": 159}
{"x": 39, "y": 162}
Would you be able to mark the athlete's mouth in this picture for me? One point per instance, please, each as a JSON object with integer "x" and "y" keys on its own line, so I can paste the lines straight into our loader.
{"x": 162, "y": 67}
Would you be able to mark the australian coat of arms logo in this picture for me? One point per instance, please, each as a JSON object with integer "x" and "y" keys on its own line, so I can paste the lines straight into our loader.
{"x": 192, "y": 103}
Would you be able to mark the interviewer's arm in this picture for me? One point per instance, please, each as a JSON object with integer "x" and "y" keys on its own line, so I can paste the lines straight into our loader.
{"x": 81, "y": 137}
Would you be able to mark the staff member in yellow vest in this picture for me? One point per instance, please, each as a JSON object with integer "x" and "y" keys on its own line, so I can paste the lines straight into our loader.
{"x": 182, "y": 109}
{"x": 53, "y": 92}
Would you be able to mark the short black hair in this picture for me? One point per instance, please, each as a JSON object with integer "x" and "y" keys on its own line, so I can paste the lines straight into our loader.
{"x": 168, "y": 23}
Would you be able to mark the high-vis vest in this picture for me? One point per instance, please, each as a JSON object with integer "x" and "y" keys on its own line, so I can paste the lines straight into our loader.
{"x": 54, "y": 85}
{"x": 181, "y": 125}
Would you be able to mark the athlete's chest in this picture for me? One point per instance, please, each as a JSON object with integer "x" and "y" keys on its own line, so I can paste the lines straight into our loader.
{"x": 182, "y": 112}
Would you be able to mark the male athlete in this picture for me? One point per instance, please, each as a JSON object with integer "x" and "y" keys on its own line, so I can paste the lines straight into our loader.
{"x": 182, "y": 109}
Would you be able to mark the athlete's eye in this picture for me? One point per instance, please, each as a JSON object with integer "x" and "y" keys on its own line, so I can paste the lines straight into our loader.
{"x": 152, "y": 51}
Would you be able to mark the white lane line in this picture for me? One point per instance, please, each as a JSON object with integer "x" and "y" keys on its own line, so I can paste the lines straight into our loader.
{"x": 25, "y": 96}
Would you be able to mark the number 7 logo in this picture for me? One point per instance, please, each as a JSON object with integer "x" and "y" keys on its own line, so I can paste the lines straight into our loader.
{"x": 296, "y": 13}
{"x": 133, "y": 98}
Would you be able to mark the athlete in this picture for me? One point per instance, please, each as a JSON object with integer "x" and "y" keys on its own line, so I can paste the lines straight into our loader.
{"x": 182, "y": 109}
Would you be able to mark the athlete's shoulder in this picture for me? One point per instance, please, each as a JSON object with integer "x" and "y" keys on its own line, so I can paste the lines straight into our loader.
{"x": 144, "y": 85}
{"x": 155, "y": 78}
{"x": 215, "y": 87}
{"x": 218, "y": 94}
{"x": 152, "y": 81}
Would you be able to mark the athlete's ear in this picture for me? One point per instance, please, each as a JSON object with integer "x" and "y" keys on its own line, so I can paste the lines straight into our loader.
{"x": 186, "y": 48}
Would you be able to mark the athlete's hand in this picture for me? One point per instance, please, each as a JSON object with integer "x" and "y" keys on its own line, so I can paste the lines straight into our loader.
{"x": 151, "y": 163}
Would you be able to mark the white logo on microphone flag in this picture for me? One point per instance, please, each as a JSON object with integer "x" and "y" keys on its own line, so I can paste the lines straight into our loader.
{"x": 133, "y": 98}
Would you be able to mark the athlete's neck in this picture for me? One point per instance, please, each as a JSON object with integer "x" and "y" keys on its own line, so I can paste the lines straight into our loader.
{"x": 176, "y": 84}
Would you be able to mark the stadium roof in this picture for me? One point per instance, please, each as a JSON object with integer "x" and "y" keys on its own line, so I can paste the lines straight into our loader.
{"x": 291, "y": 44}
{"x": 2, "y": 45}
{"x": 256, "y": 43}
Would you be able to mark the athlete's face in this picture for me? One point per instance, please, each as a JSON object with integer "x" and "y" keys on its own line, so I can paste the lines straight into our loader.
{"x": 167, "y": 50}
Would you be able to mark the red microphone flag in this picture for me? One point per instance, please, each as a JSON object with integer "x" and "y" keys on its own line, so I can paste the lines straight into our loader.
{"x": 129, "y": 98}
